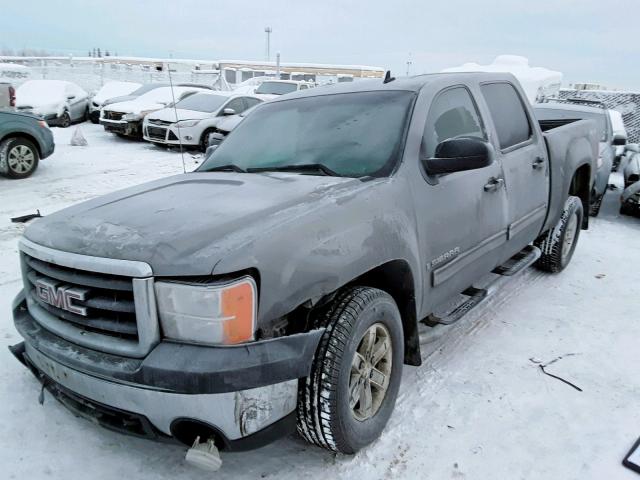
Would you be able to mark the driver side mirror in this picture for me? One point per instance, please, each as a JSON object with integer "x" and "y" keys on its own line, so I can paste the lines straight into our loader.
{"x": 228, "y": 111}
{"x": 457, "y": 155}
{"x": 619, "y": 139}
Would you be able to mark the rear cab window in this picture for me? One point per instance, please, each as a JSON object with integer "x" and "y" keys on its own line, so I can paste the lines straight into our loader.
{"x": 509, "y": 116}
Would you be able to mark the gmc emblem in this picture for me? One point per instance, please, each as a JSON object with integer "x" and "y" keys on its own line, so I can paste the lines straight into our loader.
{"x": 61, "y": 296}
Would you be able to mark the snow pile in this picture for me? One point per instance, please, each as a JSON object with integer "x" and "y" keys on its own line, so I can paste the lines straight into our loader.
{"x": 537, "y": 82}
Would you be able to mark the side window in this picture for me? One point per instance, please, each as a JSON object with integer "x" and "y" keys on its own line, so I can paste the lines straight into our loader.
{"x": 508, "y": 114}
{"x": 237, "y": 104}
{"x": 251, "y": 102}
{"x": 452, "y": 114}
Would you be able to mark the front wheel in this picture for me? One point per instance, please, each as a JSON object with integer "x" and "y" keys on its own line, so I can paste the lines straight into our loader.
{"x": 347, "y": 400}
{"x": 559, "y": 243}
{"x": 19, "y": 156}
{"x": 65, "y": 120}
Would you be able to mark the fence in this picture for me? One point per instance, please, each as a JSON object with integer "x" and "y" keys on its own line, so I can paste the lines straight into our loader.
{"x": 627, "y": 103}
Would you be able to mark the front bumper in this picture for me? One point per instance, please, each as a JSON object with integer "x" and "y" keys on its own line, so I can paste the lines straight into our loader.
{"x": 122, "y": 127}
{"x": 247, "y": 394}
{"x": 169, "y": 134}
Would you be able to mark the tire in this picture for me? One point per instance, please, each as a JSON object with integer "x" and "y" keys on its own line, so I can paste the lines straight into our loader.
{"x": 625, "y": 210}
{"x": 594, "y": 208}
{"x": 204, "y": 138}
{"x": 559, "y": 243}
{"x": 19, "y": 156}
{"x": 65, "y": 120}
{"x": 325, "y": 416}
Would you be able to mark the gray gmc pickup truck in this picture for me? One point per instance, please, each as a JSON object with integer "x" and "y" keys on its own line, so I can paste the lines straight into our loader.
{"x": 282, "y": 285}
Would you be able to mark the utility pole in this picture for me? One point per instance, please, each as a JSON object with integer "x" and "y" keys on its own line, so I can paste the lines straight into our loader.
{"x": 409, "y": 63}
{"x": 278, "y": 65}
{"x": 268, "y": 31}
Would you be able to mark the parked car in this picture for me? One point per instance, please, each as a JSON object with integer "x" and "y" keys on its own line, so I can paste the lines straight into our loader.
{"x": 287, "y": 277}
{"x": 147, "y": 88}
{"x": 630, "y": 149}
{"x": 225, "y": 126}
{"x": 630, "y": 200}
{"x": 108, "y": 91}
{"x": 7, "y": 95}
{"x": 58, "y": 102}
{"x": 197, "y": 117}
{"x": 125, "y": 118}
{"x": 557, "y": 114}
{"x": 25, "y": 139}
{"x": 631, "y": 170}
{"x": 275, "y": 88}
{"x": 619, "y": 130}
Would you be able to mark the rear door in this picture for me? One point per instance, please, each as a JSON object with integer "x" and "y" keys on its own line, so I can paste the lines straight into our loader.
{"x": 522, "y": 152}
{"x": 461, "y": 215}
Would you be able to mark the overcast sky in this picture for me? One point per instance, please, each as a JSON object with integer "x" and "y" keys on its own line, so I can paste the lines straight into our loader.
{"x": 588, "y": 40}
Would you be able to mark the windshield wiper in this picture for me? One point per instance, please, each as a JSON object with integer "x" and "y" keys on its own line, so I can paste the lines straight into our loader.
{"x": 226, "y": 168}
{"x": 304, "y": 168}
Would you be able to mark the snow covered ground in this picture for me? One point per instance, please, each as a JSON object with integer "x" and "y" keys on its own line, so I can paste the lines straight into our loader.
{"x": 478, "y": 408}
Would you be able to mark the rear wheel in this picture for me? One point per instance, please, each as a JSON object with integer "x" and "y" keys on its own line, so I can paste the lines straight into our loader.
{"x": 20, "y": 157}
{"x": 559, "y": 243}
{"x": 347, "y": 399}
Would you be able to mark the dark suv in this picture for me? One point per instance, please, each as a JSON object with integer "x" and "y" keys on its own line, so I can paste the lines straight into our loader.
{"x": 24, "y": 140}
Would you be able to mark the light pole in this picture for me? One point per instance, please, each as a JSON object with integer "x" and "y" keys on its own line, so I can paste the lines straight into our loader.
{"x": 409, "y": 63}
{"x": 268, "y": 31}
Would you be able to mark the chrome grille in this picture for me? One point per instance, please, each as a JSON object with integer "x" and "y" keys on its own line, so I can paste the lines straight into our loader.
{"x": 100, "y": 303}
{"x": 109, "y": 305}
{"x": 111, "y": 115}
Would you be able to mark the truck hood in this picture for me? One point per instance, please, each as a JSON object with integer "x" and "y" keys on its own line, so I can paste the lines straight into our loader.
{"x": 134, "y": 106}
{"x": 185, "y": 224}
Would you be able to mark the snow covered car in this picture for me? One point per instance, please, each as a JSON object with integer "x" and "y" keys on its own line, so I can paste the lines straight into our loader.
{"x": 125, "y": 118}
{"x": 225, "y": 126}
{"x": 58, "y": 102}
{"x": 619, "y": 130}
{"x": 631, "y": 170}
{"x": 197, "y": 117}
{"x": 630, "y": 149}
{"x": 557, "y": 114}
{"x": 108, "y": 91}
{"x": 275, "y": 88}
{"x": 25, "y": 139}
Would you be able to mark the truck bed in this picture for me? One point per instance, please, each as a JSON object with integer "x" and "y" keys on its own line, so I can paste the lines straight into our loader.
{"x": 568, "y": 142}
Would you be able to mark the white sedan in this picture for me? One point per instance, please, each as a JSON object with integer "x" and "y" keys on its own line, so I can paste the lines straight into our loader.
{"x": 194, "y": 118}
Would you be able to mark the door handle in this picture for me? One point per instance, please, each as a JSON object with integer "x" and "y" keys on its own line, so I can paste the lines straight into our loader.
{"x": 538, "y": 163}
{"x": 493, "y": 184}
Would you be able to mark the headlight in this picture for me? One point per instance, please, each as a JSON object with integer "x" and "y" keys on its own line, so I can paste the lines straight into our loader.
{"x": 130, "y": 117}
{"x": 187, "y": 123}
{"x": 217, "y": 314}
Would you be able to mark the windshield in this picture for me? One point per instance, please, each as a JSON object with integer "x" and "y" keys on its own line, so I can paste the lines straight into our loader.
{"x": 202, "y": 102}
{"x": 353, "y": 135}
{"x": 276, "y": 88}
{"x": 147, "y": 88}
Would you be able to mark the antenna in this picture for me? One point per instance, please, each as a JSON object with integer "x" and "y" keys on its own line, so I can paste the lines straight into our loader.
{"x": 388, "y": 78}
{"x": 175, "y": 111}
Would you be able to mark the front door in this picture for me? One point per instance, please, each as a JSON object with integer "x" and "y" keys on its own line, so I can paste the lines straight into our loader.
{"x": 464, "y": 222}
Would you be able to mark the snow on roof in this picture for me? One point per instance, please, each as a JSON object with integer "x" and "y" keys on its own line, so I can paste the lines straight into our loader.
{"x": 534, "y": 80}
{"x": 115, "y": 89}
{"x": 40, "y": 92}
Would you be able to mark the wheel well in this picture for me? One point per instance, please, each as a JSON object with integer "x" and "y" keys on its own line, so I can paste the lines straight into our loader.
{"x": 581, "y": 188}
{"x": 26, "y": 136}
{"x": 396, "y": 279}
